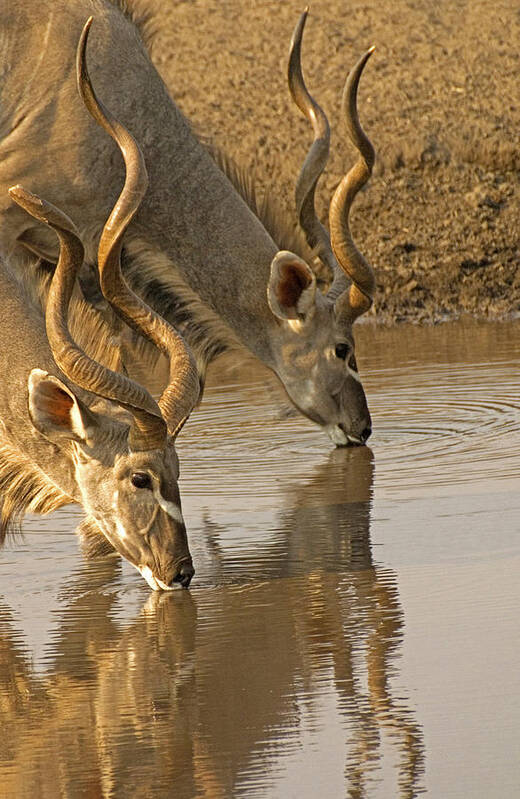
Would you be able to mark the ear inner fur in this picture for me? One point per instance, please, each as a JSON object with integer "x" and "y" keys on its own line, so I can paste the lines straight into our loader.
{"x": 294, "y": 281}
{"x": 55, "y": 403}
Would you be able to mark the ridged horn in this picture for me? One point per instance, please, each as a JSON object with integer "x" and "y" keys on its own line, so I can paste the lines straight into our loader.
{"x": 181, "y": 394}
{"x": 317, "y": 156}
{"x": 359, "y": 297}
{"x": 149, "y": 428}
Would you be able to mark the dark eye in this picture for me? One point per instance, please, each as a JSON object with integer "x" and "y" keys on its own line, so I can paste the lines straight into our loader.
{"x": 141, "y": 480}
{"x": 342, "y": 351}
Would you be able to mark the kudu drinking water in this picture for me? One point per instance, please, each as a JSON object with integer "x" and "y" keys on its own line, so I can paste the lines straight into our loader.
{"x": 195, "y": 251}
{"x": 74, "y": 430}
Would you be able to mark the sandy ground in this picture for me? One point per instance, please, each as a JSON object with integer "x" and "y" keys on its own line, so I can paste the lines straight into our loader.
{"x": 440, "y": 100}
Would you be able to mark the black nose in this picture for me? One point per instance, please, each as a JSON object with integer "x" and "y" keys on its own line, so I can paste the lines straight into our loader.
{"x": 365, "y": 435}
{"x": 184, "y": 575}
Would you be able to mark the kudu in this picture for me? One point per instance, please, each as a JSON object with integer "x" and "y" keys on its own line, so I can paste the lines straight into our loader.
{"x": 74, "y": 430}
{"x": 195, "y": 251}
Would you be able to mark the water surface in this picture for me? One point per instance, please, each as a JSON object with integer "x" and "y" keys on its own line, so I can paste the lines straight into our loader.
{"x": 352, "y": 627}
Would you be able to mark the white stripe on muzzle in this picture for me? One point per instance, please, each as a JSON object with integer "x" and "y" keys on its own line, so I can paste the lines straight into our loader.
{"x": 173, "y": 510}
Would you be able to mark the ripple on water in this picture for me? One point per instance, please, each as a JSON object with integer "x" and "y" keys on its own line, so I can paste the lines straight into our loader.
{"x": 437, "y": 425}
{"x": 446, "y": 426}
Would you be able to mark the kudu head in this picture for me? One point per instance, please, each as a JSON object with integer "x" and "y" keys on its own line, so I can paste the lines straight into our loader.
{"x": 126, "y": 472}
{"x": 317, "y": 363}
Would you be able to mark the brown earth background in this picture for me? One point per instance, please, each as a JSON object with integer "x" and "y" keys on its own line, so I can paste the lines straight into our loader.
{"x": 440, "y": 99}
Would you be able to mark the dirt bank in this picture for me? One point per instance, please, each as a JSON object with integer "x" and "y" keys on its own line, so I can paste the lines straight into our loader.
{"x": 440, "y": 99}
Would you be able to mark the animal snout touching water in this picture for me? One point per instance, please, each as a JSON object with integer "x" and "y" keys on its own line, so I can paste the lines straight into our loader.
{"x": 93, "y": 434}
{"x": 322, "y": 379}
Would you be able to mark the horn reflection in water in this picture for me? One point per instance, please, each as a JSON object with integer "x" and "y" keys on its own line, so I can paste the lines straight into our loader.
{"x": 231, "y": 689}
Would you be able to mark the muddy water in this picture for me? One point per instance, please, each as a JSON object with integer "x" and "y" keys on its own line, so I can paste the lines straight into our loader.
{"x": 352, "y": 629}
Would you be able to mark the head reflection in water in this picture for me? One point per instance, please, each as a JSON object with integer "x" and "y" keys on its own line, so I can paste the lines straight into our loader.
{"x": 212, "y": 691}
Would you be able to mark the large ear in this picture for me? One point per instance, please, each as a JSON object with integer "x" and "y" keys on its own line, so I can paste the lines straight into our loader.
{"x": 56, "y": 412}
{"x": 292, "y": 287}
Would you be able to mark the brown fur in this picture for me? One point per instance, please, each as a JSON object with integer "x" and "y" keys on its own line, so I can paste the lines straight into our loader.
{"x": 265, "y": 205}
{"x": 91, "y": 328}
{"x": 24, "y": 488}
{"x": 93, "y": 542}
{"x": 141, "y": 17}
{"x": 155, "y": 279}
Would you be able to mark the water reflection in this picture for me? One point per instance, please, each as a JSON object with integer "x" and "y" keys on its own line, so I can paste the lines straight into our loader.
{"x": 288, "y": 669}
{"x": 226, "y": 690}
